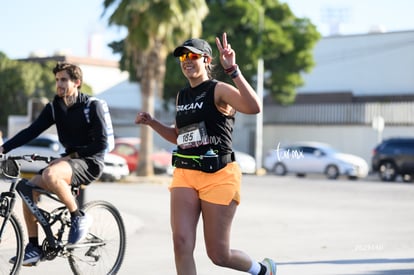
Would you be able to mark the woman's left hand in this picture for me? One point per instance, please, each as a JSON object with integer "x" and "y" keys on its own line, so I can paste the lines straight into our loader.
{"x": 227, "y": 54}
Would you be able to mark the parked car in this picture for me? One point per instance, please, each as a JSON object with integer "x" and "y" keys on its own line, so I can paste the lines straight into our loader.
{"x": 48, "y": 145}
{"x": 115, "y": 168}
{"x": 246, "y": 162}
{"x": 128, "y": 148}
{"x": 394, "y": 157}
{"x": 314, "y": 158}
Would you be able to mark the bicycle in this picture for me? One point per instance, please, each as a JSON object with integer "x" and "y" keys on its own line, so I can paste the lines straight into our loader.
{"x": 101, "y": 252}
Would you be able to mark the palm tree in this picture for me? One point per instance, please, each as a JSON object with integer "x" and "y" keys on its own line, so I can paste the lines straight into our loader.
{"x": 154, "y": 29}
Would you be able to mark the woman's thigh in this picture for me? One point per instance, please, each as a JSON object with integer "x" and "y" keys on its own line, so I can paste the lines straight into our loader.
{"x": 217, "y": 220}
{"x": 185, "y": 212}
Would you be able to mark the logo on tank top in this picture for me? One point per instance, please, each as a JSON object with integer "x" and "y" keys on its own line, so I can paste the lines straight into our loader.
{"x": 191, "y": 106}
{"x": 196, "y": 105}
{"x": 200, "y": 96}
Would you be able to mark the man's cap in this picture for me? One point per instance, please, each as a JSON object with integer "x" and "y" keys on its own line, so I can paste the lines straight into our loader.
{"x": 194, "y": 45}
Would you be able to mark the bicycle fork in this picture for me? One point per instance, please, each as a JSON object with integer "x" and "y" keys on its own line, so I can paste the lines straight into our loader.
{"x": 7, "y": 200}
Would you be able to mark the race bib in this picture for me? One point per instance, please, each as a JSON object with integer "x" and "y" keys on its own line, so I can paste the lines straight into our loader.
{"x": 192, "y": 136}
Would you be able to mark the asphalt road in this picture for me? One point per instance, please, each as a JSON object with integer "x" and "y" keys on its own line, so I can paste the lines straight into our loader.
{"x": 310, "y": 226}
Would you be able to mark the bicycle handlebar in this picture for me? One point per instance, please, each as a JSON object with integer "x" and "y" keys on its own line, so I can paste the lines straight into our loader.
{"x": 11, "y": 169}
{"x": 28, "y": 158}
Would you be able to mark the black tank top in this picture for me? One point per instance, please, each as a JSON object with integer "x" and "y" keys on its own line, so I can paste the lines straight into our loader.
{"x": 201, "y": 125}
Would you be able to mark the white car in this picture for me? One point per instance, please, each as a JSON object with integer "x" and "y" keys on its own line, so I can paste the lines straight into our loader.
{"x": 115, "y": 168}
{"x": 47, "y": 145}
{"x": 246, "y": 162}
{"x": 314, "y": 158}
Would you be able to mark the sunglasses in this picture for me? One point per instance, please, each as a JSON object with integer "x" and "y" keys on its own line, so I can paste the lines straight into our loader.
{"x": 190, "y": 55}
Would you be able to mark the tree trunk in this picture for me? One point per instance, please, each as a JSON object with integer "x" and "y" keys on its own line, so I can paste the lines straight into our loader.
{"x": 145, "y": 166}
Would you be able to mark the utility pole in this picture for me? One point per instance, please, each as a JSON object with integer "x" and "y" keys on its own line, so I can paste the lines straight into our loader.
{"x": 335, "y": 17}
{"x": 259, "y": 90}
{"x": 259, "y": 117}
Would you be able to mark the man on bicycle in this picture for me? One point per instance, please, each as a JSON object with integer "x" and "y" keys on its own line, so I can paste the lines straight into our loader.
{"x": 83, "y": 161}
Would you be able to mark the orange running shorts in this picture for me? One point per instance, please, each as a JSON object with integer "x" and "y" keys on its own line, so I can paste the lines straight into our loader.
{"x": 220, "y": 187}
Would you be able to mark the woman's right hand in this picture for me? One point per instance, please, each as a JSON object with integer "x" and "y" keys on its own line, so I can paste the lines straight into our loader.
{"x": 143, "y": 118}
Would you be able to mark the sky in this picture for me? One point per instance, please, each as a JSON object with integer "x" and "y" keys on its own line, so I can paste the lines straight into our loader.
{"x": 49, "y": 26}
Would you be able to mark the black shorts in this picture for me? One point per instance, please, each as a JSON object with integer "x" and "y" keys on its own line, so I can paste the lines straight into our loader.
{"x": 84, "y": 170}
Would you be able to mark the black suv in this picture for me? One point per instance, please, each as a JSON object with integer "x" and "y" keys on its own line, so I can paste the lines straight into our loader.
{"x": 393, "y": 157}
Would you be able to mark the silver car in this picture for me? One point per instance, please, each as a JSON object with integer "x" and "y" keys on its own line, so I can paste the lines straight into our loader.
{"x": 314, "y": 158}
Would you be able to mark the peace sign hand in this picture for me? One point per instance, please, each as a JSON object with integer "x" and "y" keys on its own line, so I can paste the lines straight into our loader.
{"x": 227, "y": 54}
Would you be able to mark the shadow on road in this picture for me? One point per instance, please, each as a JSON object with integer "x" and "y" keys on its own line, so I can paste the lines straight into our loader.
{"x": 400, "y": 271}
{"x": 355, "y": 261}
{"x": 392, "y": 272}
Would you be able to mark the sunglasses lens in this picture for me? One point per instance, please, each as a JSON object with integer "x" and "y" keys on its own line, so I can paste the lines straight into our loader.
{"x": 194, "y": 56}
{"x": 191, "y": 56}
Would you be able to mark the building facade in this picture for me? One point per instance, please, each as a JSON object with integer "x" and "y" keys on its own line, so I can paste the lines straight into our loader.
{"x": 357, "y": 79}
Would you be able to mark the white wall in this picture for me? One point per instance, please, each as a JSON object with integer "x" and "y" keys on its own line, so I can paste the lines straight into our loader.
{"x": 368, "y": 64}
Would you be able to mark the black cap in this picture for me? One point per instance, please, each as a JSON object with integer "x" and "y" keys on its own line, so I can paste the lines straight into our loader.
{"x": 194, "y": 45}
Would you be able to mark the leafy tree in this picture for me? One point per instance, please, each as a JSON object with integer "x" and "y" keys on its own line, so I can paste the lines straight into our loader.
{"x": 154, "y": 29}
{"x": 22, "y": 81}
{"x": 259, "y": 28}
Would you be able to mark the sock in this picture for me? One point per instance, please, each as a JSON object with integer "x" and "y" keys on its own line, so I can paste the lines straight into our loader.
{"x": 34, "y": 241}
{"x": 75, "y": 213}
{"x": 255, "y": 269}
{"x": 263, "y": 270}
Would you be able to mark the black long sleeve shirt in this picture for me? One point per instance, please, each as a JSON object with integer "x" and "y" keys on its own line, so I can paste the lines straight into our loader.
{"x": 75, "y": 133}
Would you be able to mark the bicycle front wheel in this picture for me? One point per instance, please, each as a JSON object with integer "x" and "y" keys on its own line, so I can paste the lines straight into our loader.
{"x": 103, "y": 250}
{"x": 11, "y": 246}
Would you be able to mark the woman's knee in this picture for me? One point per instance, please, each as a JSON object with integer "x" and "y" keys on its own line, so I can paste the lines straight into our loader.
{"x": 183, "y": 243}
{"x": 219, "y": 257}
